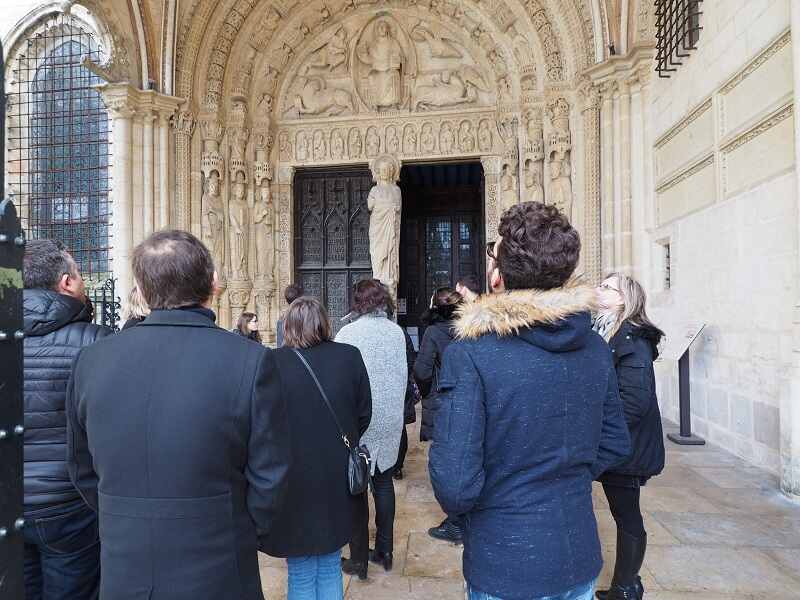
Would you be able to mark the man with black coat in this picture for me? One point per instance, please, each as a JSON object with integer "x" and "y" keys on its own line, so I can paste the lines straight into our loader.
{"x": 178, "y": 437}
{"x": 62, "y": 552}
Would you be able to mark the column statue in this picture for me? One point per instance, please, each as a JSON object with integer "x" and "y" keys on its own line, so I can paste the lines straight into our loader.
{"x": 385, "y": 203}
{"x": 265, "y": 243}
{"x": 213, "y": 220}
{"x": 239, "y": 214}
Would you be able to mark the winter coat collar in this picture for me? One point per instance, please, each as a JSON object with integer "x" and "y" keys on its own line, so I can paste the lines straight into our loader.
{"x": 505, "y": 314}
{"x": 46, "y": 311}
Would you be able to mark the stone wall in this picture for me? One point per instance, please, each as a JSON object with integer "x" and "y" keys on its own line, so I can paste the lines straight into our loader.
{"x": 724, "y": 202}
{"x": 13, "y": 12}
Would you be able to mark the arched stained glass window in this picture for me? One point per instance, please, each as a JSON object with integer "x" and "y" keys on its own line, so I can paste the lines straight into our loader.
{"x": 59, "y": 149}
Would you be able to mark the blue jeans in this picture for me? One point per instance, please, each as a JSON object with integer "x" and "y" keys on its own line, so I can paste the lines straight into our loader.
{"x": 315, "y": 577}
{"x": 62, "y": 553}
{"x": 582, "y": 592}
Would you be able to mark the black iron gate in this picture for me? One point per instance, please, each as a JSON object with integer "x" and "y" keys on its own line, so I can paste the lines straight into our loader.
{"x": 12, "y": 245}
{"x": 106, "y": 304}
{"x": 332, "y": 235}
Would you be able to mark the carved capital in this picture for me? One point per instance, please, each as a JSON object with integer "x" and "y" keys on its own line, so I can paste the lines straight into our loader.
{"x": 183, "y": 123}
{"x": 211, "y": 129}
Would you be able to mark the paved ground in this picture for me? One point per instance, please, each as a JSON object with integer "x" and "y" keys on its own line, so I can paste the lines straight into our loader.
{"x": 719, "y": 530}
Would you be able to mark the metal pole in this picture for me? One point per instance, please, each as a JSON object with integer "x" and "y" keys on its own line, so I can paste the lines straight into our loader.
{"x": 685, "y": 437}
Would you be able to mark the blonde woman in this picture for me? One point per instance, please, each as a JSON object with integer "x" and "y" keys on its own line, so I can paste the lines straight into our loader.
{"x": 137, "y": 309}
{"x": 622, "y": 320}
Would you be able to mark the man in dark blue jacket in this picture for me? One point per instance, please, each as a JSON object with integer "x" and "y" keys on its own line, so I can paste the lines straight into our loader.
{"x": 530, "y": 414}
{"x": 62, "y": 551}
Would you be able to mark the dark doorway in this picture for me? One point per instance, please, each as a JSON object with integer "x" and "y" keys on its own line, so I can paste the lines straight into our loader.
{"x": 442, "y": 232}
{"x": 331, "y": 241}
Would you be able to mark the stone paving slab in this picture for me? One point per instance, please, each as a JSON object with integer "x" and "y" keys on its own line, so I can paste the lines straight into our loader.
{"x": 718, "y": 530}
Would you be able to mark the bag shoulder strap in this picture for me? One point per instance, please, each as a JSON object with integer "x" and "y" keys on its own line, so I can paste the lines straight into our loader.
{"x": 324, "y": 396}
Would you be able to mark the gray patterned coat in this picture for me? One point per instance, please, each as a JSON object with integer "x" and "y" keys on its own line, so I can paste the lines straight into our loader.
{"x": 383, "y": 348}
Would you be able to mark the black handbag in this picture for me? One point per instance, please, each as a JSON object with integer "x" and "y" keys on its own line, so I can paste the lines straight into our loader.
{"x": 358, "y": 470}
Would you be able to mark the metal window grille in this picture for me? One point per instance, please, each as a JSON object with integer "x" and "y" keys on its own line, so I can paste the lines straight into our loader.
{"x": 678, "y": 31}
{"x": 667, "y": 266}
{"x": 59, "y": 146}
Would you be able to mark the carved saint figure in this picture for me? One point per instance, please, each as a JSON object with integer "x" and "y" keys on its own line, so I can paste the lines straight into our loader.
{"x": 466, "y": 139}
{"x": 485, "y": 138}
{"x": 384, "y": 204}
{"x": 373, "y": 143}
{"x": 239, "y": 216}
{"x": 427, "y": 138}
{"x": 561, "y": 186}
{"x": 384, "y": 55}
{"x": 447, "y": 138}
{"x": 533, "y": 181}
{"x": 284, "y": 147}
{"x": 392, "y": 141}
{"x": 409, "y": 141}
{"x": 355, "y": 143}
{"x": 337, "y": 145}
{"x": 213, "y": 219}
{"x": 508, "y": 188}
{"x": 263, "y": 221}
{"x": 302, "y": 146}
{"x": 320, "y": 147}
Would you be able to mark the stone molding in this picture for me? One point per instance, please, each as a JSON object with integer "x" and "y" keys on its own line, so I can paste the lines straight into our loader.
{"x": 665, "y": 138}
{"x": 759, "y": 128}
{"x": 689, "y": 172}
{"x": 784, "y": 40}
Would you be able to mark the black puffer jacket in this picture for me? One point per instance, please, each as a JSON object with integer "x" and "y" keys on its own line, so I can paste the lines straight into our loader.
{"x": 634, "y": 350}
{"x": 57, "y": 327}
{"x": 410, "y": 408}
{"x": 435, "y": 341}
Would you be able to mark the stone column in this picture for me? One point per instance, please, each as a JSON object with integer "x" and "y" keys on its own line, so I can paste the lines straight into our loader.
{"x": 637, "y": 160}
{"x": 607, "y": 165}
{"x": 790, "y": 404}
{"x": 120, "y": 104}
{"x": 183, "y": 124}
{"x": 624, "y": 141}
{"x": 163, "y": 170}
{"x": 491, "y": 176}
{"x": 592, "y": 214}
{"x": 147, "y": 173}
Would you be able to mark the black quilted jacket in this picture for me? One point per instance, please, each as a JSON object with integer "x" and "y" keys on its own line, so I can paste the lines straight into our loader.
{"x": 57, "y": 327}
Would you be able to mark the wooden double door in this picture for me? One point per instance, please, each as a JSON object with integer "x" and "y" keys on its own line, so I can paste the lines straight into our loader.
{"x": 442, "y": 235}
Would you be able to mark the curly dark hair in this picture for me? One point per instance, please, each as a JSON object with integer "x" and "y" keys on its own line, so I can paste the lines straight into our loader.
{"x": 444, "y": 303}
{"x": 370, "y": 295}
{"x": 539, "y": 248}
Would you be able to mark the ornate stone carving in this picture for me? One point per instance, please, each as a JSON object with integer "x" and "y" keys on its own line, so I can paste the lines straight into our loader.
{"x": 485, "y": 136}
{"x": 409, "y": 140}
{"x": 263, "y": 230}
{"x": 534, "y": 156}
{"x": 239, "y": 297}
{"x": 541, "y": 21}
{"x": 508, "y": 186}
{"x": 332, "y": 56}
{"x": 373, "y": 143}
{"x": 559, "y": 148}
{"x": 284, "y": 147}
{"x": 320, "y": 146}
{"x": 303, "y": 146}
{"x": 450, "y": 88}
{"x": 317, "y": 99}
{"x": 384, "y": 64}
{"x": 466, "y": 137}
{"x": 213, "y": 219}
{"x": 385, "y": 204}
{"x": 439, "y": 46}
{"x": 239, "y": 229}
{"x": 392, "y": 141}
{"x": 338, "y": 145}
{"x": 183, "y": 123}
{"x": 447, "y": 138}
{"x": 427, "y": 139}
{"x": 355, "y": 145}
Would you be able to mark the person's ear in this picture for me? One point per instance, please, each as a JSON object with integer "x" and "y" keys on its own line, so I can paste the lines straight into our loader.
{"x": 64, "y": 285}
{"x": 496, "y": 281}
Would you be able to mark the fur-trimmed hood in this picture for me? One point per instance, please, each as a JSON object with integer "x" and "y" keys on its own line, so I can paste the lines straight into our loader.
{"x": 508, "y": 313}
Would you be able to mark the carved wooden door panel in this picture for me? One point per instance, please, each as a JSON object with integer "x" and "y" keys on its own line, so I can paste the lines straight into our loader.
{"x": 332, "y": 235}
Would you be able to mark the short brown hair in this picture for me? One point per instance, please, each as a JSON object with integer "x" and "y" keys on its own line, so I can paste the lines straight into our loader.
{"x": 306, "y": 324}
{"x": 370, "y": 295}
{"x": 292, "y": 292}
{"x": 172, "y": 269}
{"x": 539, "y": 248}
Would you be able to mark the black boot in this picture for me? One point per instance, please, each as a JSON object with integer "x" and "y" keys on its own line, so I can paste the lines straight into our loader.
{"x": 398, "y": 474}
{"x": 448, "y": 532}
{"x": 354, "y": 567}
{"x": 626, "y": 583}
{"x": 385, "y": 559}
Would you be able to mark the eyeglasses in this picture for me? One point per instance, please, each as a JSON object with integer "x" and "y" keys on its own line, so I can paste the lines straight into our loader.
{"x": 605, "y": 286}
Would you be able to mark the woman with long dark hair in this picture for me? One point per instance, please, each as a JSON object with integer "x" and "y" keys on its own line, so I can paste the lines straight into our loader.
{"x": 622, "y": 320}
{"x": 247, "y": 326}
{"x": 440, "y": 321}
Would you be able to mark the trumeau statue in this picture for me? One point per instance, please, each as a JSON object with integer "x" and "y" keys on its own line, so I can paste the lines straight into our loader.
{"x": 384, "y": 58}
{"x": 213, "y": 220}
{"x": 385, "y": 203}
{"x": 239, "y": 225}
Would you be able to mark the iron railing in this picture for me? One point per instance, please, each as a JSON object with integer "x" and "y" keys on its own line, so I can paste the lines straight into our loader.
{"x": 677, "y": 33}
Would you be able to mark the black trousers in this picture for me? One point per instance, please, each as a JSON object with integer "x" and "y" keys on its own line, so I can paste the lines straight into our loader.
{"x": 401, "y": 455}
{"x": 383, "y": 494}
{"x": 624, "y": 504}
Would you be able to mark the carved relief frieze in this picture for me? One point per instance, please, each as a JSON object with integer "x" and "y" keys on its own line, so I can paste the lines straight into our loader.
{"x": 559, "y": 151}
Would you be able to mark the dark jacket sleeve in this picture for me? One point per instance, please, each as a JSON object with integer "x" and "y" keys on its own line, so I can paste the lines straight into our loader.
{"x": 426, "y": 359}
{"x": 615, "y": 443}
{"x": 456, "y": 455}
{"x": 269, "y": 448}
{"x": 79, "y": 461}
{"x": 364, "y": 397}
